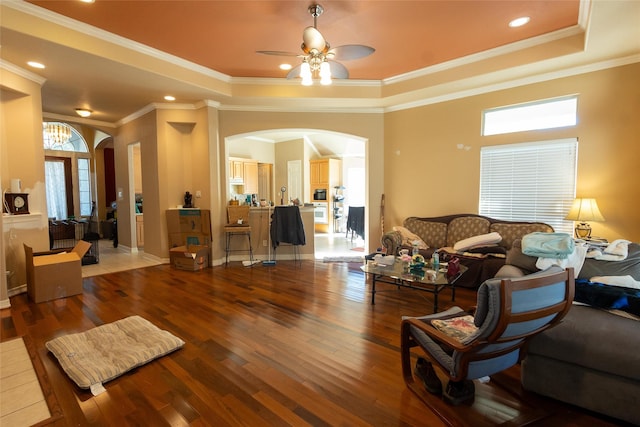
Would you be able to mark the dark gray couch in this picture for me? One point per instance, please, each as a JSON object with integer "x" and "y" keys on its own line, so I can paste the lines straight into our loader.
{"x": 592, "y": 358}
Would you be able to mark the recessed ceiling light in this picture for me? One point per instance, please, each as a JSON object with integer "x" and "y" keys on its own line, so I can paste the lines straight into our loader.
{"x": 88, "y": 1}
{"x": 285, "y": 67}
{"x": 35, "y": 64}
{"x": 169, "y": 98}
{"x": 519, "y": 22}
{"x": 83, "y": 112}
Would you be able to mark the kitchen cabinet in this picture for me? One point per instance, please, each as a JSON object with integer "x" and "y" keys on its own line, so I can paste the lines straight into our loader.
{"x": 250, "y": 176}
{"x": 325, "y": 174}
{"x": 265, "y": 181}
{"x": 236, "y": 171}
{"x": 139, "y": 231}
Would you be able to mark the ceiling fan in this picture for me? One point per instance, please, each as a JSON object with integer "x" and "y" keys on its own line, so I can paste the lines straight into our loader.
{"x": 319, "y": 59}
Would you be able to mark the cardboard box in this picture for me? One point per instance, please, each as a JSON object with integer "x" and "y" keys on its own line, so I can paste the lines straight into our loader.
{"x": 187, "y": 239}
{"x": 53, "y": 275}
{"x": 187, "y": 227}
{"x": 189, "y": 221}
{"x": 191, "y": 258}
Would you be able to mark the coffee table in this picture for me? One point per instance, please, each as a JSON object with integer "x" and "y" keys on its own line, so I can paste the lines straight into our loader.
{"x": 398, "y": 275}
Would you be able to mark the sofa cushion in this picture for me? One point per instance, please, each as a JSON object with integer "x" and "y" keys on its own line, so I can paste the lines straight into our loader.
{"x": 434, "y": 234}
{"x": 409, "y": 238}
{"x": 510, "y": 231}
{"x": 594, "y": 339}
{"x": 478, "y": 240}
{"x": 465, "y": 227}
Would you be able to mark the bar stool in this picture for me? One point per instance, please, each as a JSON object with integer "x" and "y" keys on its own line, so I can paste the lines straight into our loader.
{"x": 238, "y": 225}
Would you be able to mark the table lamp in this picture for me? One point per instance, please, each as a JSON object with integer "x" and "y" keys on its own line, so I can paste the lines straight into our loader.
{"x": 584, "y": 210}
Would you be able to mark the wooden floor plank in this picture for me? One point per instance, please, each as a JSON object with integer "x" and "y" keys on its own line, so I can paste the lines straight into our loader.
{"x": 291, "y": 344}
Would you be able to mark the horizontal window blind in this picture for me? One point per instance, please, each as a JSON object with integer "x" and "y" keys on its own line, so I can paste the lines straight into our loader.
{"x": 529, "y": 182}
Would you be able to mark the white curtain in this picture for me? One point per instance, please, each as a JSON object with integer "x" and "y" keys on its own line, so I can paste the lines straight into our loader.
{"x": 56, "y": 190}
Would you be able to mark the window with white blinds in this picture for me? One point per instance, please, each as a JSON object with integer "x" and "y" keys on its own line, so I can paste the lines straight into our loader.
{"x": 529, "y": 182}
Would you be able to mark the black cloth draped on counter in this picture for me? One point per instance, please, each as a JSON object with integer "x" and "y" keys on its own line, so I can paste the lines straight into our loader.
{"x": 287, "y": 226}
{"x": 355, "y": 221}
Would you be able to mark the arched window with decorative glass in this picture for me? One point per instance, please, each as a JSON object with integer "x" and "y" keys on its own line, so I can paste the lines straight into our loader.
{"x": 67, "y": 171}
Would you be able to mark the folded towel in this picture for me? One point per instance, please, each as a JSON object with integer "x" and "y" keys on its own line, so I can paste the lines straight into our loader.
{"x": 618, "y": 250}
{"x": 624, "y": 281}
{"x": 548, "y": 245}
{"x": 574, "y": 259}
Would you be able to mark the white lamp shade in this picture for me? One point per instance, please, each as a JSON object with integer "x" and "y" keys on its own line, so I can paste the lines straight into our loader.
{"x": 584, "y": 210}
{"x": 325, "y": 73}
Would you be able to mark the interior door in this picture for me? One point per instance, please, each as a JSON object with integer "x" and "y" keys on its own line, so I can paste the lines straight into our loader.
{"x": 294, "y": 178}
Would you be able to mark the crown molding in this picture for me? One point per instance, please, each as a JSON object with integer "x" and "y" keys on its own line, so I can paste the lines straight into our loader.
{"x": 308, "y": 107}
{"x": 76, "y": 119}
{"x": 5, "y": 65}
{"x": 108, "y": 37}
{"x": 271, "y": 81}
{"x": 487, "y": 54}
{"x": 509, "y": 84}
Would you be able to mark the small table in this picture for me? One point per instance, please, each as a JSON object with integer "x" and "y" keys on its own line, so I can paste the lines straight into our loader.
{"x": 396, "y": 274}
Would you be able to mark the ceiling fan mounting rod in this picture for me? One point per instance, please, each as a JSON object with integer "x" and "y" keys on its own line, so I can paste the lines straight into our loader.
{"x": 315, "y": 10}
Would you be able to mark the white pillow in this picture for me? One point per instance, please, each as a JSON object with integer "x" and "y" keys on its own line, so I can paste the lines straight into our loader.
{"x": 409, "y": 238}
{"x": 482, "y": 239}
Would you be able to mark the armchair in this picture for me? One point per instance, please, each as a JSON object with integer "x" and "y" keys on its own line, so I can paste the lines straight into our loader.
{"x": 508, "y": 313}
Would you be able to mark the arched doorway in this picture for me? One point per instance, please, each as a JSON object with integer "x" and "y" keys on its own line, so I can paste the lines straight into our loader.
{"x": 305, "y": 145}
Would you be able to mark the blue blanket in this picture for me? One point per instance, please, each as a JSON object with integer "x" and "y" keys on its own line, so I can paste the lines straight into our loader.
{"x": 607, "y": 296}
{"x": 548, "y": 245}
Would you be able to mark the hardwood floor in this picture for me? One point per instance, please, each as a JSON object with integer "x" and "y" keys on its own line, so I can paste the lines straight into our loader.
{"x": 265, "y": 346}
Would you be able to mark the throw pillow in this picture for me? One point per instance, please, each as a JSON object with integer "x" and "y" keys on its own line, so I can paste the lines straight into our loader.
{"x": 481, "y": 240}
{"x": 517, "y": 258}
{"x": 409, "y": 238}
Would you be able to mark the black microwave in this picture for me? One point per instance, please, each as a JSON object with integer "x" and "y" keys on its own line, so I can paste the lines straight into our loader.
{"x": 320, "y": 194}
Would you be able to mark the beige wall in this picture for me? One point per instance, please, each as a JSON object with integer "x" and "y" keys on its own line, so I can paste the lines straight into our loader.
{"x": 177, "y": 148}
{"x": 426, "y": 175}
{"x": 21, "y": 156}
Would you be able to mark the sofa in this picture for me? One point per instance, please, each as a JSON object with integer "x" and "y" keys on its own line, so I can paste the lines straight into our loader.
{"x": 591, "y": 358}
{"x": 446, "y": 233}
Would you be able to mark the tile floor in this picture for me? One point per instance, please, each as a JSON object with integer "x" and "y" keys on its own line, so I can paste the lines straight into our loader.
{"x": 112, "y": 259}
{"x": 21, "y": 400}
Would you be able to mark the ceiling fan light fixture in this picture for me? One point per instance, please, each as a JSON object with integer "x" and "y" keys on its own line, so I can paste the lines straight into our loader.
{"x": 305, "y": 74}
{"x": 317, "y": 54}
{"x": 325, "y": 73}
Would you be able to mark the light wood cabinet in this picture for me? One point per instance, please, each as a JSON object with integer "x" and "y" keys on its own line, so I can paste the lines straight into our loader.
{"x": 265, "y": 181}
{"x": 139, "y": 231}
{"x": 236, "y": 170}
{"x": 314, "y": 173}
{"x": 325, "y": 174}
{"x": 250, "y": 176}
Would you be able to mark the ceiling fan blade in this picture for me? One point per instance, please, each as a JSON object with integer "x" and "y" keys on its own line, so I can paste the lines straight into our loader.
{"x": 350, "y": 51}
{"x": 294, "y": 72}
{"x": 338, "y": 71}
{"x": 276, "y": 53}
{"x": 312, "y": 39}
